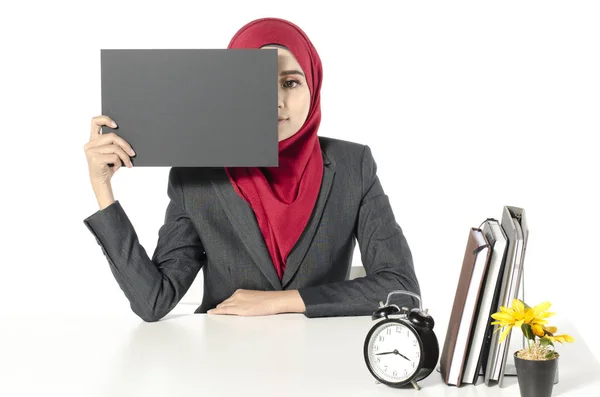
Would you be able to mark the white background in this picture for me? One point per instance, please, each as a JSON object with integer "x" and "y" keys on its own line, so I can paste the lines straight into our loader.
{"x": 467, "y": 107}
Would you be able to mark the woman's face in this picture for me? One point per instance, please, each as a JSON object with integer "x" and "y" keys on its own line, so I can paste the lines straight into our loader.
{"x": 294, "y": 95}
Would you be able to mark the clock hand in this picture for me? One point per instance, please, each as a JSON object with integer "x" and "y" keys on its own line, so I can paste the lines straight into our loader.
{"x": 394, "y": 352}
{"x": 400, "y": 354}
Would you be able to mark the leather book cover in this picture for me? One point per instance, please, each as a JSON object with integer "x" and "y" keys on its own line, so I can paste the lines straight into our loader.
{"x": 466, "y": 298}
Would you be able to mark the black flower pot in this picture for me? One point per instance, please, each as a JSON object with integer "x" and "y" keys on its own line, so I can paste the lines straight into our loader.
{"x": 536, "y": 377}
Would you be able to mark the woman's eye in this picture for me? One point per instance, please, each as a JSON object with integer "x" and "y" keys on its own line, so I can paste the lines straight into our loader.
{"x": 286, "y": 85}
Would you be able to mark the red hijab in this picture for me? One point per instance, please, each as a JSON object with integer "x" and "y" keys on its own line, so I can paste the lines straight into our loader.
{"x": 283, "y": 197}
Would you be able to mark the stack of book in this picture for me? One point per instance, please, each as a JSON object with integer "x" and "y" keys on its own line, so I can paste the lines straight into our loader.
{"x": 490, "y": 277}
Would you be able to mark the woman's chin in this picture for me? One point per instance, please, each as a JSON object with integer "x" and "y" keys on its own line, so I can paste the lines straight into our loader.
{"x": 284, "y": 134}
{"x": 283, "y": 137}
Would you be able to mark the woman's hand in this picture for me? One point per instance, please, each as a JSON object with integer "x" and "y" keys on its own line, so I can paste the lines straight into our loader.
{"x": 105, "y": 149}
{"x": 260, "y": 303}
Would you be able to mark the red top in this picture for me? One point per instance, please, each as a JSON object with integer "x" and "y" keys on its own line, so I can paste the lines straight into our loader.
{"x": 283, "y": 197}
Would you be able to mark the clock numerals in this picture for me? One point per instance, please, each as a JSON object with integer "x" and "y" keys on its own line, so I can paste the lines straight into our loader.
{"x": 394, "y": 352}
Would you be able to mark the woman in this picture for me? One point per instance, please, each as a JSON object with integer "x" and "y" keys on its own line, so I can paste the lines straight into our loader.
{"x": 269, "y": 240}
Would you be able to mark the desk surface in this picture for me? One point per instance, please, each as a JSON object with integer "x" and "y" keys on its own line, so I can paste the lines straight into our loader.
{"x": 203, "y": 355}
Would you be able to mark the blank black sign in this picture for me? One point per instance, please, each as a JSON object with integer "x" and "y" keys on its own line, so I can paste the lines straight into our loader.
{"x": 193, "y": 108}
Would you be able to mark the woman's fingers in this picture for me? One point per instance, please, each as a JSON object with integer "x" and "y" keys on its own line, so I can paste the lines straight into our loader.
{"x": 102, "y": 150}
{"x": 110, "y": 138}
{"x": 98, "y": 122}
{"x": 224, "y": 310}
{"x": 107, "y": 149}
{"x": 104, "y": 159}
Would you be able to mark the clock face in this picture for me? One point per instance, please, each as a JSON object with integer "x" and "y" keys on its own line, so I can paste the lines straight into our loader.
{"x": 393, "y": 352}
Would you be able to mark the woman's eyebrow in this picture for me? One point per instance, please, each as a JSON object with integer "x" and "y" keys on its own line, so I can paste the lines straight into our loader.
{"x": 287, "y": 72}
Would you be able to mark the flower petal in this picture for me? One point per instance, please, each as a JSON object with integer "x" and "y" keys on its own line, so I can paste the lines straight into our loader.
{"x": 545, "y": 315}
{"x": 503, "y": 317}
{"x": 518, "y": 306}
{"x": 542, "y": 307}
{"x": 507, "y": 310}
{"x": 505, "y": 333}
{"x": 519, "y": 323}
{"x": 564, "y": 338}
{"x": 552, "y": 330}
{"x": 529, "y": 315}
{"x": 537, "y": 329}
{"x": 569, "y": 338}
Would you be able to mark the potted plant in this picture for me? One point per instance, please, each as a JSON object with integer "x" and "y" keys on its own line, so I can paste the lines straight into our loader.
{"x": 537, "y": 363}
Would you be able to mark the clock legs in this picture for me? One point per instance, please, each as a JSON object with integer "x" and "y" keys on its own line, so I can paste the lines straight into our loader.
{"x": 415, "y": 385}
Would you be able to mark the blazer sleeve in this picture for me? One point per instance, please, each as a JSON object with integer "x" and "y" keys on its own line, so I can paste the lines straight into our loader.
{"x": 385, "y": 255}
{"x": 154, "y": 285}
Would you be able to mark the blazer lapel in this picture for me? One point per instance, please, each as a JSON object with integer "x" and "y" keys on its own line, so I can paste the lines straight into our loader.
{"x": 242, "y": 218}
{"x": 297, "y": 254}
{"x": 244, "y": 222}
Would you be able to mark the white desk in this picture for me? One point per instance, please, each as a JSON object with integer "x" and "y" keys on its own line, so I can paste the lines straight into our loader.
{"x": 200, "y": 355}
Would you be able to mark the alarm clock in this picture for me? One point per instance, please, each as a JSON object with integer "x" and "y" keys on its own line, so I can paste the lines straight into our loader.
{"x": 401, "y": 348}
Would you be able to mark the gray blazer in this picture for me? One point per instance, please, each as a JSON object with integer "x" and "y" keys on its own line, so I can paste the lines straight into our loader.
{"x": 208, "y": 226}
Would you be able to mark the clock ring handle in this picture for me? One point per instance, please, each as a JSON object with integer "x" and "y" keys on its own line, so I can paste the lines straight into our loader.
{"x": 387, "y": 302}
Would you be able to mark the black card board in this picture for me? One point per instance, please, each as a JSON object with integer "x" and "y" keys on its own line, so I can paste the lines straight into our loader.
{"x": 193, "y": 107}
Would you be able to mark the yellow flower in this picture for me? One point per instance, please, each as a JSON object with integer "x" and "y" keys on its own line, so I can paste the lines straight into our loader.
{"x": 537, "y": 317}
{"x": 540, "y": 313}
{"x": 561, "y": 338}
{"x": 538, "y": 329}
{"x": 550, "y": 330}
{"x": 518, "y": 315}
{"x": 532, "y": 322}
{"x": 509, "y": 317}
